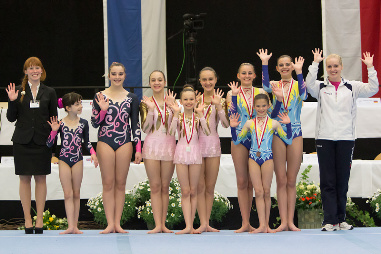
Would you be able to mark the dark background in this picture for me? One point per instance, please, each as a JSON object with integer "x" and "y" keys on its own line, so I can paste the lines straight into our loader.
{"x": 67, "y": 35}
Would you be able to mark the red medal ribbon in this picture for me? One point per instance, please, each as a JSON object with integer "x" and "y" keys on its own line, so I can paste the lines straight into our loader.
{"x": 259, "y": 142}
{"x": 207, "y": 110}
{"x": 286, "y": 100}
{"x": 185, "y": 129}
{"x": 159, "y": 110}
{"x": 249, "y": 107}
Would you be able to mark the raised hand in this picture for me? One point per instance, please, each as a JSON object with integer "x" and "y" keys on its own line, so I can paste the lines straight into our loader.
{"x": 284, "y": 118}
{"x": 199, "y": 109}
{"x": 11, "y": 91}
{"x": 264, "y": 56}
{"x": 298, "y": 65}
{"x": 234, "y": 120}
{"x": 94, "y": 159}
{"x": 234, "y": 87}
{"x": 174, "y": 107}
{"x": 198, "y": 96}
{"x": 100, "y": 99}
{"x": 150, "y": 104}
{"x": 170, "y": 97}
{"x": 368, "y": 60}
{"x": 277, "y": 91}
{"x": 54, "y": 124}
{"x": 318, "y": 55}
{"x": 217, "y": 96}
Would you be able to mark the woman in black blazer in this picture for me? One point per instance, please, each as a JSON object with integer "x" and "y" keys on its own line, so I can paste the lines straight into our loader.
{"x": 31, "y": 105}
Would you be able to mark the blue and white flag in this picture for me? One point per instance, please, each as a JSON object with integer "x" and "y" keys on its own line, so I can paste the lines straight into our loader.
{"x": 134, "y": 32}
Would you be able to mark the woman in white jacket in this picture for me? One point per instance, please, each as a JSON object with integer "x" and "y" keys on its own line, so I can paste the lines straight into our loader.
{"x": 335, "y": 131}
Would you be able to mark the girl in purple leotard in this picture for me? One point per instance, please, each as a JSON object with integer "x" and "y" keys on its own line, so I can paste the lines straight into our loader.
{"x": 72, "y": 129}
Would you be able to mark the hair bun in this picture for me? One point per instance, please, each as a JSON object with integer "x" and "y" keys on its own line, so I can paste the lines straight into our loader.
{"x": 59, "y": 102}
{"x": 188, "y": 86}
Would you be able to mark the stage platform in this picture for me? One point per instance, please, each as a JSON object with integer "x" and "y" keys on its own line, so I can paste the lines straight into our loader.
{"x": 359, "y": 240}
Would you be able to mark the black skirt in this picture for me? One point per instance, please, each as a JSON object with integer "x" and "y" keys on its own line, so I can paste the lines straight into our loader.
{"x": 32, "y": 159}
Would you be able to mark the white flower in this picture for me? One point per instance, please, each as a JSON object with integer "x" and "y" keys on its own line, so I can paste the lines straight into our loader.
{"x": 149, "y": 189}
{"x": 35, "y": 218}
{"x": 172, "y": 215}
{"x": 99, "y": 209}
{"x": 22, "y": 92}
{"x": 173, "y": 204}
{"x": 310, "y": 187}
{"x": 53, "y": 216}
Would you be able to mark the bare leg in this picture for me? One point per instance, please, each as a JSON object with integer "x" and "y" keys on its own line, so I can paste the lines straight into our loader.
{"x": 77, "y": 175}
{"x": 240, "y": 157}
{"x": 40, "y": 194}
{"x": 294, "y": 159}
{"x": 188, "y": 176}
{"x": 25, "y": 198}
{"x": 201, "y": 200}
{"x": 154, "y": 177}
{"x": 65, "y": 174}
{"x": 106, "y": 158}
{"x": 213, "y": 166}
{"x": 279, "y": 154}
{"x": 267, "y": 170}
{"x": 122, "y": 164}
{"x": 167, "y": 169}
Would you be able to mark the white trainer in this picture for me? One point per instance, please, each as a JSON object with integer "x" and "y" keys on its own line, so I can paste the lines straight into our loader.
{"x": 330, "y": 227}
{"x": 345, "y": 226}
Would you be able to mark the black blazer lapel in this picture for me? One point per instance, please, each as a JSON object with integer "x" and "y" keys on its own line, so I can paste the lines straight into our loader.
{"x": 40, "y": 91}
{"x": 28, "y": 93}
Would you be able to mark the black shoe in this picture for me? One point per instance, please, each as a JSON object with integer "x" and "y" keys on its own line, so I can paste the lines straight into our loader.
{"x": 29, "y": 231}
{"x": 38, "y": 230}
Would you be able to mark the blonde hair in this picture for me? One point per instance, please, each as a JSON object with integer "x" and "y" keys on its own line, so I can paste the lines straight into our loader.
{"x": 187, "y": 88}
{"x": 116, "y": 64}
{"x": 31, "y": 61}
{"x": 335, "y": 56}
{"x": 245, "y": 64}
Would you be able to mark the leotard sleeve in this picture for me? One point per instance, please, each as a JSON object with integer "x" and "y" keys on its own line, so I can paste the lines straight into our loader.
{"x": 86, "y": 138}
{"x": 53, "y": 137}
{"x": 135, "y": 125}
{"x": 275, "y": 111}
{"x": 285, "y": 136}
{"x": 265, "y": 78}
{"x": 302, "y": 87}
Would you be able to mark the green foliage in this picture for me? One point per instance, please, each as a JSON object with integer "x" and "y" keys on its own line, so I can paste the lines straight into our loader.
{"x": 362, "y": 216}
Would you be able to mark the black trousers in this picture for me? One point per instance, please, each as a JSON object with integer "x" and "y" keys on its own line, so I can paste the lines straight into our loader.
{"x": 335, "y": 160}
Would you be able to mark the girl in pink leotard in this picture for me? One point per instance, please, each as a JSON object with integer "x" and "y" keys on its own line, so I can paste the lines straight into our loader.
{"x": 214, "y": 110}
{"x": 188, "y": 158}
{"x": 159, "y": 147}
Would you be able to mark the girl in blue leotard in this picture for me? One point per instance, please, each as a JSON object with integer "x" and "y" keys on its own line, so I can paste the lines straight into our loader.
{"x": 291, "y": 155}
{"x": 73, "y": 130}
{"x": 261, "y": 167}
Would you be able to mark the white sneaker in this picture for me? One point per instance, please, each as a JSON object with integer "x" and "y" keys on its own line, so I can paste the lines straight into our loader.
{"x": 345, "y": 226}
{"x": 330, "y": 227}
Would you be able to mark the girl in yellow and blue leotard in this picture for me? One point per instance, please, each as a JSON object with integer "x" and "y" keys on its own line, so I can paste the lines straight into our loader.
{"x": 294, "y": 92}
{"x": 261, "y": 167}
{"x": 240, "y": 150}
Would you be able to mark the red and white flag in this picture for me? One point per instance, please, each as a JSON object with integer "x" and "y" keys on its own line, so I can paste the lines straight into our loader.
{"x": 351, "y": 27}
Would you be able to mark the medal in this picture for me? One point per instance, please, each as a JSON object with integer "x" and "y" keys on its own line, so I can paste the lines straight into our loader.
{"x": 250, "y": 107}
{"x": 259, "y": 134}
{"x": 286, "y": 99}
{"x": 191, "y": 132}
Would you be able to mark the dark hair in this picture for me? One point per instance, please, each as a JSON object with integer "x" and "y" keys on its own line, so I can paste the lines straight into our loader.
{"x": 70, "y": 99}
{"x": 283, "y": 56}
{"x": 157, "y": 71}
{"x": 116, "y": 64}
{"x": 262, "y": 96}
{"x": 187, "y": 88}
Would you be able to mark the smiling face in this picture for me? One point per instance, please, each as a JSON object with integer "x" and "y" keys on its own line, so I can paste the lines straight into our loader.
{"x": 208, "y": 80}
{"x": 76, "y": 108}
{"x": 334, "y": 66}
{"x": 117, "y": 75}
{"x": 157, "y": 81}
{"x": 284, "y": 67}
{"x": 246, "y": 74}
{"x": 34, "y": 73}
{"x": 261, "y": 107}
{"x": 188, "y": 100}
